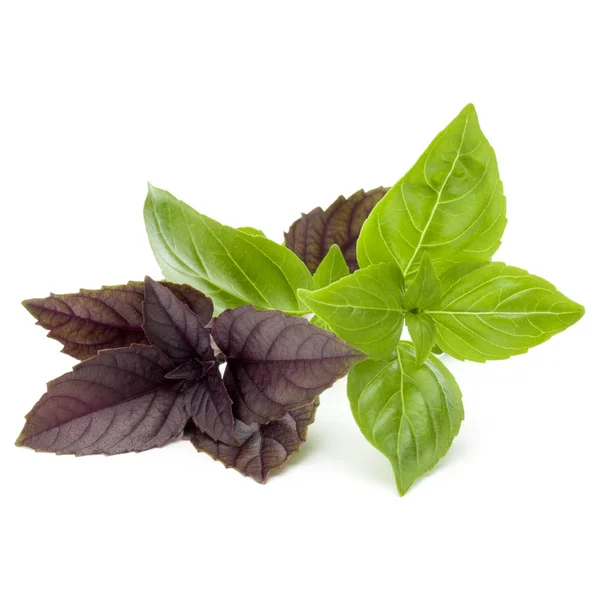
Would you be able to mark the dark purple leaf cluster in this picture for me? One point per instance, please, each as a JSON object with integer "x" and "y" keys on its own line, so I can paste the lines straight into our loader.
{"x": 145, "y": 394}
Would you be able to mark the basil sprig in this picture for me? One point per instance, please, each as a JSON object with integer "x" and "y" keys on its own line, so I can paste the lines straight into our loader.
{"x": 424, "y": 252}
{"x": 418, "y": 254}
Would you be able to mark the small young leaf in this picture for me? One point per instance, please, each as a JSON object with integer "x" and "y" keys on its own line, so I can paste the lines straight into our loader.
{"x": 332, "y": 268}
{"x": 262, "y": 448}
{"x": 111, "y": 317}
{"x": 172, "y": 327}
{"x": 234, "y": 268}
{"x": 311, "y": 236}
{"x": 365, "y": 309}
{"x": 277, "y": 363}
{"x": 424, "y": 292}
{"x": 449, "y": 204}
{"x": 493, "y": 311}
{"x": 192, "y": 370}
{"x": 422, "y": 331}
{"x": 117, "y": 401}
{"x": 411, "y": 414}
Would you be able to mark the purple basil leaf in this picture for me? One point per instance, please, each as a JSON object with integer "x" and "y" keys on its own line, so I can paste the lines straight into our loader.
{"x": 118, "y": 401}
{"x": 277, "y": 363}
{"x": 311, "y": 236}
{"x": 111, "y": 317}
{"x": 172, "y": 327}
{"x": 211, "y": 406}
{"x": 262, "y": 448}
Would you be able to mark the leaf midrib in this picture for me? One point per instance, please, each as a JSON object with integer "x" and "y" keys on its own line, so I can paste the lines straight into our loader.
{"x": 437, "y": 202}
{"x": 87, "y": 320}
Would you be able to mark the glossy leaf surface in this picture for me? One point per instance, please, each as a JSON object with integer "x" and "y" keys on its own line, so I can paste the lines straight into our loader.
{"x": 364, "y": 309}
{"x": 411, "y": 414}
{"x": 311, "y": 236}
{"x": 234, "y": 268}
{"x": 262, "y": 448}
{"x": 494, "y": 311}
{"x": 277, "y": 363}
{"x": 111, "y": 317}
{"x": 450, "y": 204}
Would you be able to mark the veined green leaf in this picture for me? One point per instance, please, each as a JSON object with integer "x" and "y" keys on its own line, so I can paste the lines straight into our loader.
{"x": 493, "y": 311}
{"x": 364, "y": 309}
{"x": 424, "y": 291}
{"x": 411, "y": 414}
{"x": 234, "y": 268}
{"x": 450, "y": 204}
{"x": 331, "y": 268}
{"x": 421, "y": 327}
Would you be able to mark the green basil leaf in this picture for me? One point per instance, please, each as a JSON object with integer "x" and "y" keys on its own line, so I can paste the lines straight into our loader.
{"x": 331, "y": 268}
{"x": 493, "y": 311}
{"x": 364, "y": 309}
{"x": 411, "y": 414}
{"x": 424, "y": 291}
{"x": 232, "y": 267}
{"x": 252, "y": 231}
{"x": 450, "y": 204}
{"x": 421, "y": 327}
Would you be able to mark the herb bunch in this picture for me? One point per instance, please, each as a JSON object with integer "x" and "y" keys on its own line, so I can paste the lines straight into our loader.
{"x": 417, "y": 253}
{"x": 145, "y": 395}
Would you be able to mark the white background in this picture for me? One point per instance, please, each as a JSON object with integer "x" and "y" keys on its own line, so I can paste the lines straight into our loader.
{"x": 253, "y": 112}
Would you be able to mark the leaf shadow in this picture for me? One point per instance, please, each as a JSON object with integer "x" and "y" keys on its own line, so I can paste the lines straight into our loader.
{"x": 455, "y": 455}
{"x": 360, "y": 460}
{"x": 307, "y": 449}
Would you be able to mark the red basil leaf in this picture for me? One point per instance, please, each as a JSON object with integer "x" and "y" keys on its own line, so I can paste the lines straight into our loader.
{"x": 172, "y": 327}
{"x": 117, "y": 401}
{"x": 210, "y": 407}
{"x": 277, "y": 363}
{"x": 311, "y": 236}
{"x": 262, "y": 448}
{"x": 111, "y": 317}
